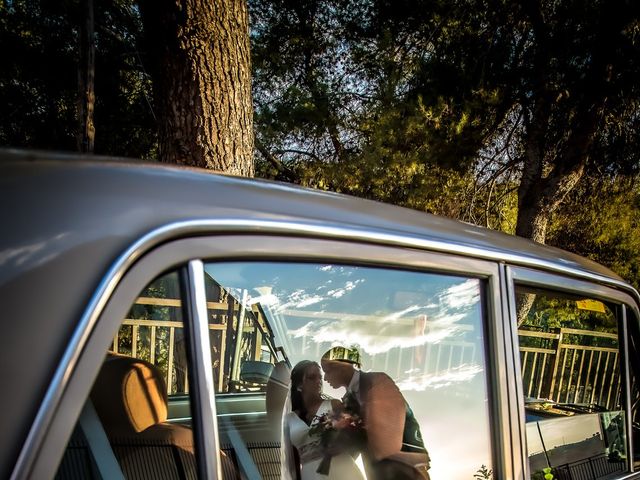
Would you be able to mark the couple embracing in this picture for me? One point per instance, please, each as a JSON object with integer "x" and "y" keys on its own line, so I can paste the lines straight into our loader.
{"x": 323, "y": 436}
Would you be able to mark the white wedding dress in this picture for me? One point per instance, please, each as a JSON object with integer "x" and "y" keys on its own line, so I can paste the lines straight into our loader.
{"x": 343, "y": 466}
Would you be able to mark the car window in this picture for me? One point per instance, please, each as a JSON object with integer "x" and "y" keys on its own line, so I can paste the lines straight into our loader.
{"x": 136, "y": 422}
{"x": 571, "y": 374}
{"x": 634, "y": 376}
{"x": 345, "y": 370}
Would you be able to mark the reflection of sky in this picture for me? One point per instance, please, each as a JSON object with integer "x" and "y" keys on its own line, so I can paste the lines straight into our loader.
{"x": 561, "y": 431}
{"x": 442, "y": 379}
{"x": 386, "y": 313}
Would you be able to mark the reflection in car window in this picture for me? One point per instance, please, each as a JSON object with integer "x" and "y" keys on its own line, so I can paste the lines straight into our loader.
{"x": 634, "y": 374}
{"x": 410, "y": 371}
{"x": 244, "y": 365}
{"x": 136, "y": 423}
{"x": 570, "y": 357}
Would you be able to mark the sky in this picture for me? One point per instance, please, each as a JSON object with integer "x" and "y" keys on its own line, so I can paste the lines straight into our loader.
{"x": 423, "y": 329}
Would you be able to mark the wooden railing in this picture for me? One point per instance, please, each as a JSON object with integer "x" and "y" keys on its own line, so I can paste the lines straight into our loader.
{"x": 554, "y": 369}
{"x": 571, "y": 372}
{"x": 222, "y": 336}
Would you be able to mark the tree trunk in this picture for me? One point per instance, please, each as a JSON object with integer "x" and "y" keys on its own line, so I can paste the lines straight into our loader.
{"x": 86, "y": 80}
{"x": 200, "y": 66}
{"x": 549, "y": 175}
{"x": 544, "y": 187}
{"x": 538, "y": 200}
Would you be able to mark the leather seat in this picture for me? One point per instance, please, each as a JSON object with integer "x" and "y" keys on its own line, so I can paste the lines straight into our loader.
{"x": 130, "y": 398}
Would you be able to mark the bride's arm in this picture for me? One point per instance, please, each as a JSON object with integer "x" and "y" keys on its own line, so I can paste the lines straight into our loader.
{"x": 289, "y": 458}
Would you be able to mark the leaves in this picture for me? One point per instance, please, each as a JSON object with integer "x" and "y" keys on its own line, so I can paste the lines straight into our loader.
{"x": 601, "y": 221}
{"x": 38, "y": 82}
{"x": 488, "y": 112}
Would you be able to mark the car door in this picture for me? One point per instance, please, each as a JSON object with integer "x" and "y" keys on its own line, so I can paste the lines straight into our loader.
{"x": 252, "y": 306}
{"x": 577, "y": 370}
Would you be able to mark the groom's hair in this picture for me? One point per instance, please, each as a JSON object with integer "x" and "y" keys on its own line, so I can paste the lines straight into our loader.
{"x": 343, "y": 354}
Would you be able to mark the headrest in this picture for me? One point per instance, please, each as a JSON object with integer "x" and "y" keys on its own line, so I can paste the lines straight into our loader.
{"x": 129, "y": 394}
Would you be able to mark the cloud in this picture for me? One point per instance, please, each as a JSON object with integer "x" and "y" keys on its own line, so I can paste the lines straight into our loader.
{"x": 309, "y": 300}
{"x": 376, "y": 333}
{"x": 441, "y": 379}
{"x": 348, "y": 286}
{"x": 324, "y": 293}
{"x": 460, "y": 296}
{"x": 375, "y": 336}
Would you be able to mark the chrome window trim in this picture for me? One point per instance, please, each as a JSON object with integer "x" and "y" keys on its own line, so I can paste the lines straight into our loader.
{"x": 534, "y": 278}
{"x": 554, "y": 282}
{"x": 203, "y": 399}
{"x": 177, "y": 230}
{"x": 515, "y": 371}
{"x": 500, "y": 384}
{"x": 627, "y": 392}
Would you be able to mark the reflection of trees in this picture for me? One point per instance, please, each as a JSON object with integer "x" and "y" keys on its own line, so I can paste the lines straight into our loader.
{"x": 165, "y": 287}
{"x": 524, "y": 302}
{"x": 542, "y": 313}
{"x": 483, "y": 473}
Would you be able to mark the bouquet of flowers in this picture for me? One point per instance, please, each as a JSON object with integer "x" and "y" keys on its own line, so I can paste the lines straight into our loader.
{"x": 338, "y": 432}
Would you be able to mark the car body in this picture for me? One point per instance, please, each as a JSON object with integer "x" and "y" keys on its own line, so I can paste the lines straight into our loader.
{"x": 82, "y": 236}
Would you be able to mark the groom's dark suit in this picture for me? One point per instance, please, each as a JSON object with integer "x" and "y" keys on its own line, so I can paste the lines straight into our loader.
{"x": 394, "y": 448}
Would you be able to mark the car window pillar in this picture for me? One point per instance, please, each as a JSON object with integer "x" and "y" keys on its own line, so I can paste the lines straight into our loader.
{"x": 203, "y": 396}
{"x": 627, "y": 388}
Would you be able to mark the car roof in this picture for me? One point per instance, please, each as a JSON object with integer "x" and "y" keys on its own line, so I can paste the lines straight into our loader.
{"x": 66, "y": 219}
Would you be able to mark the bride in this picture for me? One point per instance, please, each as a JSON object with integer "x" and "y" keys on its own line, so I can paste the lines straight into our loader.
{"x": 307, "y": 408}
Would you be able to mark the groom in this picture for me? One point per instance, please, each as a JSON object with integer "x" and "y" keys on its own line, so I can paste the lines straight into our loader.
{"x": 394, "y": 448}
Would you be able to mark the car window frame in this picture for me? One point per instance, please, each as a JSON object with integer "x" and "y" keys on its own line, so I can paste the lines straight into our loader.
{"x": 244, "y": 246}
{"x": 555, "y": 282}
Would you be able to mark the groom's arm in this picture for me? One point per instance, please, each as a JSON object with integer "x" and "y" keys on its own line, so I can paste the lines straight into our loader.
{"x": 384, "y": 416}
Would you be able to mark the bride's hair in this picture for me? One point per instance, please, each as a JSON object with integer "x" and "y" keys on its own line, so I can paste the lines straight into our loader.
{"x": 297, "y": 376}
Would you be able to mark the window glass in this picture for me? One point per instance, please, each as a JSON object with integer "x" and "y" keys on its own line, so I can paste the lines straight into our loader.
{"x": 570, "y": 357}
{"x": 334, "y": 371}
{"x": 634, "y": 374}
{"x": 137, "y": 419}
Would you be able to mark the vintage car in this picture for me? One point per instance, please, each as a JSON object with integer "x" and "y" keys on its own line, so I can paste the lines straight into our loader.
{"x": 152, "y": 315}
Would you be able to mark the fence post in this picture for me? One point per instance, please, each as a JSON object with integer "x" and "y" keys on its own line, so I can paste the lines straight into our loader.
{"x": 170, "y": 362}
{"x": 593, "y": 471}
{"x": 556, "y": 364}
{"x": 152, "y": 347}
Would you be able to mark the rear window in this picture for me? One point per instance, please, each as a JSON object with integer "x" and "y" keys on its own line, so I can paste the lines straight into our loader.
{"x": 571, "y": 373}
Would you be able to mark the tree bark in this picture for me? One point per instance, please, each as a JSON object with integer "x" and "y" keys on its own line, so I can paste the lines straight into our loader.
{"x": 201, "y": 71}
{"x": 548, "y": 175}
{"x": 539, "y": 199}
{"x": 86, "y": 80}
{"x": 546, "y": 182}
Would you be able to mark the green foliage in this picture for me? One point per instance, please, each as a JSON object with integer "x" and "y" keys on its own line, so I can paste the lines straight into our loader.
{"x": 549, "y": 313}
{"x": 38, "y": 107}
{"x": 339, "y": 104}
{"x": 439, "y": 105}
{"x": 601, "y": 221}
{"x": 435, "y": 105}
{"x": 483, "y": 473}
{"x": 39, "y": 86}
{"x": 164, "y": 287}
{"x": 544, "y": 474}
{"x": 397, "y": 165}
